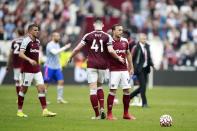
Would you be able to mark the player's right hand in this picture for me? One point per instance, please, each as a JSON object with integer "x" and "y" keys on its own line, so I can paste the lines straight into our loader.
{"x": 67, "y": 45}
{"x": 32, "y": 62}
{"x": 121, "y": 59}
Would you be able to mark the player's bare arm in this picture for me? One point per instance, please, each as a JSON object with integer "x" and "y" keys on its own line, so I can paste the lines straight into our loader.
{"x": 23, "y": 56}
{"x": 57, "y": 51}
{"x": 75, "y": 51}
{"x": 130, "y": 62}
{"x": 67, "y": 46}
{"x": 113, "y": 53}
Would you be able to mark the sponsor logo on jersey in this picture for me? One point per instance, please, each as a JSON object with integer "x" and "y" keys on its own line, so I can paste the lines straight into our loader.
{"x": 120, "y": 51}
{"x": 34, "y": 50}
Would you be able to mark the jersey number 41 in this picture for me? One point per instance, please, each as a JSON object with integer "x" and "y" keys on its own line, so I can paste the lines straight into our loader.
{"x": 95, "y": 45}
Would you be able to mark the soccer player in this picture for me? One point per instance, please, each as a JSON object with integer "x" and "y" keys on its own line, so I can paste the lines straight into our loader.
{"x": 14, "y": 60}
{"x": 29, "y": 52}
{"x": 99, "y": 46}
{"x": 120, "y": 73}
{"x": 52, "y": 66}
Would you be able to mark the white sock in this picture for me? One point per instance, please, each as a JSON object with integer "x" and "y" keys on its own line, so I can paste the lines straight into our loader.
{"x": 60, "y": 91}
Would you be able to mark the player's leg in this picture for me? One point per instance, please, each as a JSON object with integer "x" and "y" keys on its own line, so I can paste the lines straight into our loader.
{"x": 26, "y": 82}
{"x": 100, "y": 95}
{"x": 100, "y": 92}
{"x": 113, "y": 85}
{"x": 110, "y": 101}
{"x": 126, "y": 100}
{"x": 60, "y": 86}
{"x": 48, "y": 76}
{"x": 125, "y": 84}
{"x": 92, "y": 80}
{"x": 41, "y": 94}
{"x": 17, "y": 79}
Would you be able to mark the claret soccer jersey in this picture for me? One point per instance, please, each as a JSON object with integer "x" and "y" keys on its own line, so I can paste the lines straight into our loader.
{"x": 32, "y": 51}
{"x": 96, "y": 43}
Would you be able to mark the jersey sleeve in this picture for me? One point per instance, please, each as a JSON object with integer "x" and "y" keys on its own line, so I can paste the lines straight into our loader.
{"x": 84, "y": 39}
{"x": 110, "y": 40}
{"x": 49, "y": 47}
{"x": 24, "y": 43}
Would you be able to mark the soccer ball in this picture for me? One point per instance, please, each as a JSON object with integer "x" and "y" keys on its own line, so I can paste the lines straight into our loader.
{"x": 165, "y": 121}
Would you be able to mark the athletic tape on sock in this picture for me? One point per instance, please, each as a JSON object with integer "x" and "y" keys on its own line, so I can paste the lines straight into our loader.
{"x": 93, "y": 91}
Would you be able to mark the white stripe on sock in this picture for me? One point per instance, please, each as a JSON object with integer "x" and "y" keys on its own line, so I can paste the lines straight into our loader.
{"x": 111, "y": 93}
{"x": 41, "y": 95}
{"x": 93, "y": 91}
{"x": 126, "y": 93}
{"x": 21, "y": 94}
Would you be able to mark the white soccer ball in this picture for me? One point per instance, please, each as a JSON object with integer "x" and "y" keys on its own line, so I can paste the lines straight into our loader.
{"x": 166, "y": 121}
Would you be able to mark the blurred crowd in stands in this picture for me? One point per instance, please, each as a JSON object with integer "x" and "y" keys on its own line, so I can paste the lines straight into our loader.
{"x": 171, "y": 23}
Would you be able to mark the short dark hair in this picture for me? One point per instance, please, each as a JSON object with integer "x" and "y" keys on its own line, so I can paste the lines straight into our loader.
{"x": 20, "y": 31}
{"x": 126, "y": 33}
{"x": 114, "y": 26}
{"x": 98, "y": 20}
{"x": 30, "y": 27}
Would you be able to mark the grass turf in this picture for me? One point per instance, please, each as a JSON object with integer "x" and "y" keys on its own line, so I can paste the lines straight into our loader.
{"x": 180, "y": 103}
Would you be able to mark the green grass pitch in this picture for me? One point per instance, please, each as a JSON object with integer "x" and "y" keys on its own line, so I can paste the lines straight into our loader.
{"x": 180, "y": 103}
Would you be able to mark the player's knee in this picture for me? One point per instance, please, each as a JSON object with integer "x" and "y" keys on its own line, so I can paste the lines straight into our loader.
{"x": 126, "y": 92}
{"x": 24, "y": 89}
{"x": 113, "y": 91}
{"x": 99, "y": 84}
{"x": 61, "y": 82}
{"x": 93, "y": 85}
{"x": 41, "y": 88}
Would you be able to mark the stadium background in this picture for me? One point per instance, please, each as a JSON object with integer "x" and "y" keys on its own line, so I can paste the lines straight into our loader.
{"x": 170, "y": 25}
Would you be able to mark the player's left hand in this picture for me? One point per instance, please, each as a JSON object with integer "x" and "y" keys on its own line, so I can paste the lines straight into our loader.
{"x": 121, "y": 59}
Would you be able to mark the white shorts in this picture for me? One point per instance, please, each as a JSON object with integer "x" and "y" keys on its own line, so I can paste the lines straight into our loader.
{"x": 119, "y": 78}
{"x": 29, "y": 77}
{"x": 96, "y": 75}
{"x": 17, "y": 74}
